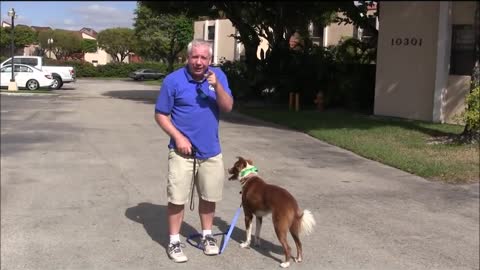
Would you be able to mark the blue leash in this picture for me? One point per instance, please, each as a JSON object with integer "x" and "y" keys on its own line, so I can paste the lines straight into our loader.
{"x": 225, "y": 240}
{"x": 230, "y": 230}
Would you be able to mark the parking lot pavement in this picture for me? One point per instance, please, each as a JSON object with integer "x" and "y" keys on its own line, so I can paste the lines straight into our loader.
{"x": 83, "y": 187}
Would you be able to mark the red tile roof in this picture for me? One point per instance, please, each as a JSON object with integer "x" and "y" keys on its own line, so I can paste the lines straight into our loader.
{"x": 41, "y": 28}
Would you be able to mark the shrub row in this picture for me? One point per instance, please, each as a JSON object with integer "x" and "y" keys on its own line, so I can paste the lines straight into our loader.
{"x": 86, "y": 69}
{"x": 347, "y": 84}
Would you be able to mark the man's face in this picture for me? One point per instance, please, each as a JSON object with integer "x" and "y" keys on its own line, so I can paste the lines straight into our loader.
{"x": 198, "y": 61}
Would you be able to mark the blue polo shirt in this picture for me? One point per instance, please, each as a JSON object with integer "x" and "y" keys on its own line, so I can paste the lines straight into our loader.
{"x": 193, "y": 113}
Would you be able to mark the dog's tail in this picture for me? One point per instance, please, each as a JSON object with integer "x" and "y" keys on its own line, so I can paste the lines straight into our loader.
{"x": 307, "y": 222}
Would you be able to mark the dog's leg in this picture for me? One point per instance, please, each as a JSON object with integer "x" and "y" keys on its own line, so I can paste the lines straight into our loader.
{"x": 281, "y": 230}
{"x": 248, "y": 229}
{"x": 258, "y": 227}
{"x": 296, "y": 238}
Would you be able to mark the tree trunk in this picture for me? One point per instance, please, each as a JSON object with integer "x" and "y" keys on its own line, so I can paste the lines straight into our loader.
{"x": 170, "y": 61}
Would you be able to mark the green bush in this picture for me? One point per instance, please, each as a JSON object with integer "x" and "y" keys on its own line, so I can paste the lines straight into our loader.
{"x": 354, "y": 87}
{"x": 471, "y": 115}
{"x": 120, "y": 70}
{"x": 123, "y": 69}
{"x": 236, "y": 75}
{"x": 349, "y": 84}
{"x": 353, "y": 51}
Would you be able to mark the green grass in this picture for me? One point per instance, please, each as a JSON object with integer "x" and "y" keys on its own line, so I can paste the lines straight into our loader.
{"x": 38, "y": 91}
{"x": 399, "y": 143}
{"x": 104, "y": 78}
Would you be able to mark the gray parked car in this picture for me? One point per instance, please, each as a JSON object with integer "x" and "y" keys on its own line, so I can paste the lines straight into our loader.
{"x": 144, "y": 74}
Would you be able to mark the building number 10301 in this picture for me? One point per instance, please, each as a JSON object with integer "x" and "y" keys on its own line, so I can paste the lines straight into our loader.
{"x": 406, "y": 42}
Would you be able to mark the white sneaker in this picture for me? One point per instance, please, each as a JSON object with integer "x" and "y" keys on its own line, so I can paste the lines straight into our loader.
{"x": 175, "y": 252}
{"x": 210, "y": 245}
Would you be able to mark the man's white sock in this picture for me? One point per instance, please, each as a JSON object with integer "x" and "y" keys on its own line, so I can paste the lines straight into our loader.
{"x": 206, "y": 232}
{"x": 174, "y": 238}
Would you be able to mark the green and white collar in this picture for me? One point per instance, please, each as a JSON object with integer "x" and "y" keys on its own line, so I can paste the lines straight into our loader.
{"x": 248, "y": 170}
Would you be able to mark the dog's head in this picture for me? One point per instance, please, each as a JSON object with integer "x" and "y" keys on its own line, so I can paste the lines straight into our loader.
{"x": 238, "y": 166}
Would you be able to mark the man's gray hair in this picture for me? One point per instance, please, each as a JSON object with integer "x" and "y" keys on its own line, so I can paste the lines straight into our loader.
{"x": 200, "y": 43}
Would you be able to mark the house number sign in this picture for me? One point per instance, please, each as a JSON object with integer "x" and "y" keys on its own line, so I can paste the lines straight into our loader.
{"x": 406, "y": 42}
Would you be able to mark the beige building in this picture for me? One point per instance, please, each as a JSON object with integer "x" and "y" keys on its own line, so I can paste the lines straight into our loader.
{"x": 424, "y": 60}
{"x": 100, "y": 57}
{"x": 219, "y": 32}
{"x": 333, "y": 33}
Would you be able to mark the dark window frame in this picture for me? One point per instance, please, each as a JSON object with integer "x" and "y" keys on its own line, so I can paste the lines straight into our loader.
{"x": 462, "y": 53}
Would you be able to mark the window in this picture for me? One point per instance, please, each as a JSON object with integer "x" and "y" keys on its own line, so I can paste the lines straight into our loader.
{"x": 316, "y": 33}
{"x": 211, "y": 32}
{"x": 22, "y": 69}
{"x": 6, "y": 69}
{"x": 367, "y": 33}
{"x": 462, "y": 52}
{"x": 25, "y": 61}
{"x": 28, "y": 61}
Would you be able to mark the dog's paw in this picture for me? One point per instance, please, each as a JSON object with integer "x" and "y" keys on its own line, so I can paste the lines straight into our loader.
{"x": 285, "y": 264}
{"x": 245, "y": 244}
{"x": 299, "y": 259}
{"x": 256, "y": 243}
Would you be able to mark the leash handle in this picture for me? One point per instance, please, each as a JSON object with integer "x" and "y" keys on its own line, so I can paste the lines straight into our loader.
{"x": 192, "y": 204}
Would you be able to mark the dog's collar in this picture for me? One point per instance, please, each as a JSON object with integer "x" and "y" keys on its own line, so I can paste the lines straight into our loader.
{"x": 249, "y": 169}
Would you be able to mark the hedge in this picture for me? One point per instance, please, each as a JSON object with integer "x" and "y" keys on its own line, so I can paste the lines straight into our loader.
{"x": 86, "y": 69}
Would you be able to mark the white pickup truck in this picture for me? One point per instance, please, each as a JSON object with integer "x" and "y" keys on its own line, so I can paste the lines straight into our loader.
{"x": 60, "y": 74}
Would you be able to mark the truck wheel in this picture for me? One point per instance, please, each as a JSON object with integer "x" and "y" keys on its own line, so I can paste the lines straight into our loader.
{"x": 32, "y": 85}
{"x": 57, "y": 82}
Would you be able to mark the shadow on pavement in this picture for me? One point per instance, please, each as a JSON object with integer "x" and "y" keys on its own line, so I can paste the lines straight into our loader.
{"x": 144, "y": 96}
{"x": 150, "y": 97}
{"x": 238, "y": 235}
{"x": 154, "y": 219}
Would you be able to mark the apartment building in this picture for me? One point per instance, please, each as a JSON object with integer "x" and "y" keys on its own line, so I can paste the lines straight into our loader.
{"x": 219, "y": 32}
{"x": 425, "y": 58}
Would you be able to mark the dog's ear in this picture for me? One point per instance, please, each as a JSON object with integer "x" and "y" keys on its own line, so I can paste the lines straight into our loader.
{"x": 249, "y": 161}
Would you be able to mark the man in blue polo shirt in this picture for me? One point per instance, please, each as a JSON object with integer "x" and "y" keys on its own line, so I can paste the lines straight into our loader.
{"x": 187, "y": 109}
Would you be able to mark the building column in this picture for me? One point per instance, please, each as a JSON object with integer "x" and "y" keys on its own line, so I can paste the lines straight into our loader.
{"x": 443, "y": 60}
{"x": 325, "y": 36}
{"x": 205, "y": 30}
{"x": 215, "y": 43}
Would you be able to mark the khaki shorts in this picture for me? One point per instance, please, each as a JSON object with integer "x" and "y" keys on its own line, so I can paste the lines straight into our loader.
{"x": 209, "y": 181}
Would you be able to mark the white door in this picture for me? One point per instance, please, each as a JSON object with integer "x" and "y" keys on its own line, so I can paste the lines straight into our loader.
{"x": 22, "y": 75}
{"x": 5, "y": 76}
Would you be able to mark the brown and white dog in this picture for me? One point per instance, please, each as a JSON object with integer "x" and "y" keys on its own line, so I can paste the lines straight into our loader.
{"x": 260, "y": 199}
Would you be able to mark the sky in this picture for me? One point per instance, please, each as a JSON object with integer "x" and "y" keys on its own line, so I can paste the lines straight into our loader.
{"x": 71, "y": 15}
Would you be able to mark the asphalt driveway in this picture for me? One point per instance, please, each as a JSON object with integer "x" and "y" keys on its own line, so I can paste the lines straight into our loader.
{"x": 83, "y": 187}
